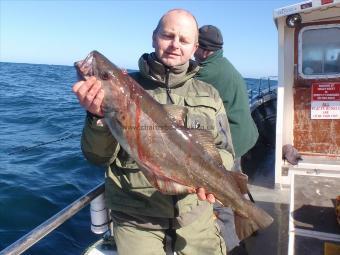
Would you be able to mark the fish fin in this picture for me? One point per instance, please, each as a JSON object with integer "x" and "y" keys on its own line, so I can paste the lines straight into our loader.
{"x": 206, "y": 139}
{"x": 177, "y": 112}
{"x": 218, "y": 201}
{"x": 258, "y": 219}
{"x": 244, "y": 227}
{"x": 241, "y": 181}
{"x": 168, "y": 186}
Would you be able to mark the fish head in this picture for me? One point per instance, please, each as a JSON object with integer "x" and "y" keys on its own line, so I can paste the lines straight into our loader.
{"x": 95, "y": 64}
{"x": 113, "y": 79}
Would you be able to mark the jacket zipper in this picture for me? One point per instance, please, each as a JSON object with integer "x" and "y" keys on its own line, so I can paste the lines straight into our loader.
{"x": 168, "y": 89}
{"x": 171, "y": 232}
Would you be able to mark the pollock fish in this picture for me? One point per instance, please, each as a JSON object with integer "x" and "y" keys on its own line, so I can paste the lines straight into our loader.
{"x": 174, "y": 159}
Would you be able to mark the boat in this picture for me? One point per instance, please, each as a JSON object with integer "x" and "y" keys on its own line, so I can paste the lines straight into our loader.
{"x": 303, "y": 111}
{"x": 263, "y": 109}
{"x": 308, "y": 118}
{"x": 301, "y": 196}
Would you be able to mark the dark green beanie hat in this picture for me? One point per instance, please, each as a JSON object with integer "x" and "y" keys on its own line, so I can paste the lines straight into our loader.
{"x": 210, "y": 38}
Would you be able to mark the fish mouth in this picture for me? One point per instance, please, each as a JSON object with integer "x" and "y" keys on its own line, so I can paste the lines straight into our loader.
{"x": 86, "y": 67}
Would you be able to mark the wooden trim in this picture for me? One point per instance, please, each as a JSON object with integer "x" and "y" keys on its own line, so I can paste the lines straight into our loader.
{"x": 335, "y": 156}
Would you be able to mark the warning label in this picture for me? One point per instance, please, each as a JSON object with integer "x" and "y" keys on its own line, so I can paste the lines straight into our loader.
{"x": 325, "y": 100}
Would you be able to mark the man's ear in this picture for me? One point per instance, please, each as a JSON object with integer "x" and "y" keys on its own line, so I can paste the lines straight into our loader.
{"x": 195, "y": 48}
{"x": 206, "y": 53}
{"x": 154, "y": 37}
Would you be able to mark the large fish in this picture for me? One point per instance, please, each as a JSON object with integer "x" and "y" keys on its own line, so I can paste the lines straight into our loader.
{"x": 175, "y": 159}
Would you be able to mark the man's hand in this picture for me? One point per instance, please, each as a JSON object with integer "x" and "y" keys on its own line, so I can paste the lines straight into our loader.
{"x": 203, "y": 196}
{"x": 90, "y": 95}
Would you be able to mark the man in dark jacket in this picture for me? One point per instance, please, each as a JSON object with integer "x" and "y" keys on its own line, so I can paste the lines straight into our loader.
{"x": 219, "y": 72}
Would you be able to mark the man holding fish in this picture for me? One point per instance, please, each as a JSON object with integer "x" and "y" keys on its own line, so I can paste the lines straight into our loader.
{"x": 165, "y": 139}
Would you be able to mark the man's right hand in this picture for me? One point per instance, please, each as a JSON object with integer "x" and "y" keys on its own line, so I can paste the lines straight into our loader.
{"x": 90, "y": 95}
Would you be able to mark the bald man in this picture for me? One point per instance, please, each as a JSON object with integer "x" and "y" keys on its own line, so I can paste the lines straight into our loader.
{"x": 146, "y": 221}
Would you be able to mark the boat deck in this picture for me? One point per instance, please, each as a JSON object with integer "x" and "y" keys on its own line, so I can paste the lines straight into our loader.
{"x": 273, "y": 199}
{"x": 304, "y": 220}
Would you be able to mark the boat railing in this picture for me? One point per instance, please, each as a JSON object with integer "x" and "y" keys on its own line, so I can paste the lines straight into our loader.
{"x": 265, "y": 87}
{"x": 52, "y": 223}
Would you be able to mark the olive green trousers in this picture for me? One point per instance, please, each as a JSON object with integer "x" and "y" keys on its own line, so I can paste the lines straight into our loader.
{"x": 202, "y": 237}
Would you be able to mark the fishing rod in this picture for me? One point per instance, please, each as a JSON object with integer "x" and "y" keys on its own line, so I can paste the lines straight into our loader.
{"x": 44, "y": 143}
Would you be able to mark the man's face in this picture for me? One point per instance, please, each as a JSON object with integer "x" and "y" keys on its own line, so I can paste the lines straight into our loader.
{"x": 176, "y": 39}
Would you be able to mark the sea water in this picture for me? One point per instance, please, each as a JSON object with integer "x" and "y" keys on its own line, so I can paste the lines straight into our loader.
{"x": 42, "y": 169}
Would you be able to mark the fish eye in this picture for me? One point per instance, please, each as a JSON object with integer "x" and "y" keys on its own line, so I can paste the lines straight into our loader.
{"x": 104, "y": 75}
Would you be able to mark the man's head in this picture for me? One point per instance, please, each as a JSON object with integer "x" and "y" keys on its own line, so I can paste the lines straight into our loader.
{"x": 210, "y": 40}
{"x": 175, "y": 38}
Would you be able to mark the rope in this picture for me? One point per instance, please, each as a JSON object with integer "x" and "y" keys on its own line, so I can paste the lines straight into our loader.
{"x": 42, "y": 144}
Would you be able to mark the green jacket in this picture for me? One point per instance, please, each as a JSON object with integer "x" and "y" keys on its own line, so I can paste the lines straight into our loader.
{"x": 219, "y": 72}
{"x": 127, "y": 191}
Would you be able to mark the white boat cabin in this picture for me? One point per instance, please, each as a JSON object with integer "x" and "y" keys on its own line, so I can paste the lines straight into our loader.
{"x": 308, "y": 96}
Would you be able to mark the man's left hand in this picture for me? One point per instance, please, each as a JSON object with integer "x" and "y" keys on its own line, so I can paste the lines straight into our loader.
{"x": 201, "y": 194}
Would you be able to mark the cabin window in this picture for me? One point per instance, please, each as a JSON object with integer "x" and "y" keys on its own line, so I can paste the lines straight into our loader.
{"x": 319, "y": 52}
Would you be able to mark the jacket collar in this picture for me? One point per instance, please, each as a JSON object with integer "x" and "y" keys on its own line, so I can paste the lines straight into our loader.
{"x": 171, "y": 77}
{"x": 217, "y": 54}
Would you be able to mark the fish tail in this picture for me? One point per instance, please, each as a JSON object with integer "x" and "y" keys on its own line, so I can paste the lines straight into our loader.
{"x": 258, "y": 219}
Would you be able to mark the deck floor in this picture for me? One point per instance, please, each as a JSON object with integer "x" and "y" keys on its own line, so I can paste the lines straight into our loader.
{"x": 274, "y": 200}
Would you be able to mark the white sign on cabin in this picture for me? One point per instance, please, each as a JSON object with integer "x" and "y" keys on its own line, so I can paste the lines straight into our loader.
{"x": 325, "y": 100}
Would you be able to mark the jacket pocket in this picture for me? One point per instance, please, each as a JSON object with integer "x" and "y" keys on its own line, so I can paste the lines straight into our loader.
{"x": 201, "y": 112}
